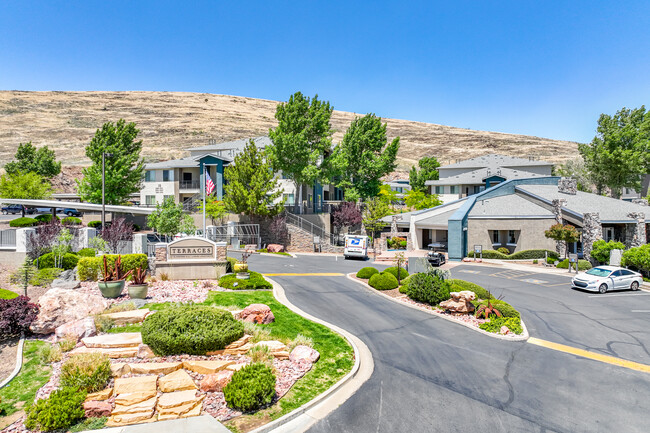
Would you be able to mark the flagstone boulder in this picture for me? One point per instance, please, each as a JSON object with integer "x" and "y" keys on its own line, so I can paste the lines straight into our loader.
{"x": 78, "y": 329}
{"x": 61, "y": 306}
{"x": 97, "y": 409}
{"x": 304, "y": 353}
{"x": 127, "y": 317}
{"x": 216, "y": 382}
{"x": 155, "y": 367}
{"x": 206, "y": 367}
{"x": 177, "y": 381}
{"x": 257, "y": 313}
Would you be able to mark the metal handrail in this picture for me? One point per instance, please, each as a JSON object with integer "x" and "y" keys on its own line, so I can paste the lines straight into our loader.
{"x": 189, "y": 184}
{"x": 312, "y": 228}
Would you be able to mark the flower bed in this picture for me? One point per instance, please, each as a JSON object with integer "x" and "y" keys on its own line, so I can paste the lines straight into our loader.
{"x": 163, "y": 291}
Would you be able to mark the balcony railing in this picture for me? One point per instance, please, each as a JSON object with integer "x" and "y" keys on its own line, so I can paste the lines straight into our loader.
{"x": 189, "y": 184}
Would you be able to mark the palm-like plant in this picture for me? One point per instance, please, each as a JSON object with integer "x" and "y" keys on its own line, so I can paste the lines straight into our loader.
{"x": 139, "y": 275}
{"x": 114, "y": 274}
{"x": 487, "y": 310}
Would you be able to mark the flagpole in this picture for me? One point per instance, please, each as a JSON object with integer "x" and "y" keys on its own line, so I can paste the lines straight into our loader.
{"x": 205, "y": 235}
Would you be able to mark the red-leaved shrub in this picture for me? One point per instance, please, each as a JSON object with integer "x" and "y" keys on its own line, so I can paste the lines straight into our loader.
{"x": 15, "y": 316}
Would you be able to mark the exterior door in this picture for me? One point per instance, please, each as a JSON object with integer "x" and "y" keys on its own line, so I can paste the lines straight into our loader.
{"x": 618, "y": 280}
{"x": 627, "y": 277}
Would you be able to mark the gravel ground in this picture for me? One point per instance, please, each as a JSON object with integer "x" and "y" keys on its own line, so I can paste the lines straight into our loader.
{"x": 8, "y": 351}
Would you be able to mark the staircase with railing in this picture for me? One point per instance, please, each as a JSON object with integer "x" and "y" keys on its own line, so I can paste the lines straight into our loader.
{"x": 192, "y": 204}
{"x": 311, "y": 228}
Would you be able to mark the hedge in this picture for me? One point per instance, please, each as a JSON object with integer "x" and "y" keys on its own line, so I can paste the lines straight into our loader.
{"x": 383, "y": 281}
{"x": 393, "y": 271}
{"x": 46, "y": 218}
{"x": 193, "y": 330}
{"x": 87, "y": 252}
{"x": 95, "y": 224}
{"x": 255, "y": 282}
{"x": 428, "y": 288}
{"x": 495, "y": 324}
{"x": 601, "y": 249}
{"x": 23, "y": 222}
{"x": 480, "y": 292}
{"x": 47, "y": 261}
{"x": 519, "y": 255}
{"x": 637, "y": 258}
{"x": 367, "y": 272}
{"x": 90, "y": 268}
{"x": 583, "y": 265}
{"x": 250, "y": 388}
{"x": 71, "y": 221}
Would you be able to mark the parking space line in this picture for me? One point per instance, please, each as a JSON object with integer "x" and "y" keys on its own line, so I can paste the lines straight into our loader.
{"x": 315, "y": 274}
{"x": 620, "y": 294}
{"x": 640, "y": 311}
{"x": 590, "y": 355}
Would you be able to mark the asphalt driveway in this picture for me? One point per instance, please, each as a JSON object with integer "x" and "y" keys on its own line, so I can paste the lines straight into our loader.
{"x": 433, "y": 375}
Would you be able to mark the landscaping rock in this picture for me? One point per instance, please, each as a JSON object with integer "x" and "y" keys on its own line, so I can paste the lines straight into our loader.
{"x": 66, "y": 280}
{"x": 206, "y": 367}
{"x": 111, "y": 341}
{"x": 257, "y": 313}
{"x": 217, "y": 381}
{"x": 97, "y": 409}
{"x": 113, "y": 353}
{"x": 155, "y": 367}
{"x": 504, "y": 330}
{"x": 274, "y": 248}
{"x": 177, "y": 381}
{"x": 460, "y": 302}
{"x": 304, "y": 353}
{"x": 130, "y": 418}
{"x": 128, "y": 399}
{"x": 60, "y": 306}
{"x": 185, "y": 411}
{"x": 138, "y": 407}
{"x": 120, "y": 369}
{"x": 136, "y": 384}
{"x": 127, "y": 317}
{"x": 273, "y": 345}
{"x": 81, "y": 328}
{"x": 145, "y": 352}
{"x": 100, "y": 395}
{"x": 241, "y": 350}
{"x": 168, "y": 400}
{"x": 236, "y": 367}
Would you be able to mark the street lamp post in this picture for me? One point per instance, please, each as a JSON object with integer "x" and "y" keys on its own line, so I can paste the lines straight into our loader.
{"x": 104, "y": 155}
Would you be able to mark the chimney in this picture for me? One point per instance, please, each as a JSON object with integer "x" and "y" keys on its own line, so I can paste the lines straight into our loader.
{"x": 567, "y": 185}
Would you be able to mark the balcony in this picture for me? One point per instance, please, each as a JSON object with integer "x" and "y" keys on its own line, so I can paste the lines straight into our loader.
{"x": 189, "y": 185}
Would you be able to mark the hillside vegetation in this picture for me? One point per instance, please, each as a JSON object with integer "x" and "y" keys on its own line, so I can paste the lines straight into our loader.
{"x": 171, "y": 122}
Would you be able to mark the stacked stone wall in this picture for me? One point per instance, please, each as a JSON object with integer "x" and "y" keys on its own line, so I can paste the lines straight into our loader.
{"x": 592, "y": 230}
{"x": 560, "y": 247}
{"x": 636, "y": 233}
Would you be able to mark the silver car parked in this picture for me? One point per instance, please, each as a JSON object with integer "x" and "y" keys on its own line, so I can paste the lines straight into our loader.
{"x": 606, "y": 278}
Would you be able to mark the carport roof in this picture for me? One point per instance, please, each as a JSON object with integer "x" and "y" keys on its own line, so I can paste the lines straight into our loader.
{"x": 439, "y": 220}
{"x": 133, "y": 210}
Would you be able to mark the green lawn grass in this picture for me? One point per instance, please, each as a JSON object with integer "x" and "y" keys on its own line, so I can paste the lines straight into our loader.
{"x": 336, "y": 359}
{"x": 20, "y": 392}
{"x": 7, "y": 294}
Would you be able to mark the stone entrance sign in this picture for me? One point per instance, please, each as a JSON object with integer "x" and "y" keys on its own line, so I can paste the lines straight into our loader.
{"x": 191, "y": 249}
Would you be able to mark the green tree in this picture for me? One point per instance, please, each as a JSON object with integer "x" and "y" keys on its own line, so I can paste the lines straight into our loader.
{"x": 563, "y": 233}
{"x": 28, "y": 158}
{"x": 576, "y": 169}
{"x": 387, "y": 195}
{"x": 167, "y": 218}
{"x": 375, "y": 210}
{"x": 619, "y": 156}
{"x": 251, "y": 186}
{"x": 24, "y": 185}
{"x": 124, "y": 168}
{"x": 428, "y": 171}
{"x": 601, "y": 250}
{"x": 363, "y": 157}
{"x": 302, "y": 140}
{"x": 420, "y": 200}
{"x": 215, "y": 209}
{"x": 187, "y": 225}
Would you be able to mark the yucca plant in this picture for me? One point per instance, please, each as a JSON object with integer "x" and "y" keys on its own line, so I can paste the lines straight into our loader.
{"x": 139, "y": 275}
{"x": 114, "y": 274}
{"x": 488, "y": 309}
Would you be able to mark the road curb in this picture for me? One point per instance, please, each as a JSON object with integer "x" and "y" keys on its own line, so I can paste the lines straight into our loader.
{"x": 19, "y": 363}
{"x": 305, "y": 416}
{"x": 523, "y": 337}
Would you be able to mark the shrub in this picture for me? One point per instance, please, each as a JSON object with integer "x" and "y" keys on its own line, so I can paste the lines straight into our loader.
{"x": 489, "y": 254}
{"x": 519, "y": 255}
{"x": 136, "y": 228}
{"x": 637, "y": 258}
{"x": 45, "y": 276}
{"x": 405, "y": 284}
{"x": 71, "y": 221}
{"x": 551, "y": 260}
{"x": 87, "y": 252}
{"x": 89, "y": 268}
{"x": 16, "y": 315}
{"x": 480, "y": 292}
{"x": 50, "y": 353}
{"x": 86, "y": 371}
{"x": 7, "y": 294}
{"x": 495, "y": 324}
{"x": 601, "y": 249}
{"x": 426, "y": 287}
{"x": 69, "y": 261}
{"x": 230, "y": 266}
{"x": 503, "y": 250}
{"x": 393, "y": 271}
{"x": 46, "y": 218}
{"x": 250, "y": 388}
{"x": 95, "y": 224}
{"x": 261, "y": 354}
{"x": 58, "y": 412}
{"x": 255, "y": 282}
{"x": 383, "y": 281}
{"x": 367, "y": 272}
{"x": 67, "y": 343}
{"x": 192, "y": 330}
{"x": 583, "y": 265}
{"x": 23, "y": 222}
{"x": 535, "y": 262}
{"x": 504, "y": 308}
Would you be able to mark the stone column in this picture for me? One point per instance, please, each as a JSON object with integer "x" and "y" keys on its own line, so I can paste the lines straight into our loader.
{"x": 161, "y": 252}
{"x": 567, "y": 185}
{"x": 592, "y": 230}
{"x": 557, "y": 211}
{"x": 393, "y": 225}
{"x": 222, "y": 250}
{"x": 636, "y": 229}
{"x": 22, "y": 239}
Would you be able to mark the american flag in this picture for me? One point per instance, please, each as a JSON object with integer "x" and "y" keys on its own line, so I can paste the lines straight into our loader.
{"x": 209, "y": 185}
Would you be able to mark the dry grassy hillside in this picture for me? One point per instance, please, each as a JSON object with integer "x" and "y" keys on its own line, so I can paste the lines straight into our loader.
{"x": 171, "y": 122}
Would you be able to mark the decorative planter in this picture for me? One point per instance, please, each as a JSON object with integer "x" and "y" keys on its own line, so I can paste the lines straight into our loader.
{"x": 138, "y": 291}
{"x": 243, "y": 275}
{"x": 240, "y": 267}
{"x": 111, "y": 289}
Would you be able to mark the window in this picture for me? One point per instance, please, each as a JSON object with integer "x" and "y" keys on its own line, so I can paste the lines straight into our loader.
{"x": 626, "y": 273}
{"x": 478, "y": 189}
{"x": 454, "y": 189}
{"x": 288, "y": 199}
{"x": 495, "y": 237}
{"x": 149, "y": 176}
{"x": 440, "y": 189}
{"x": 511, "y": 237}
{"x": 616, "y": 274}
{"x": 168, "y": 175}
{"x": 150, "y": 200}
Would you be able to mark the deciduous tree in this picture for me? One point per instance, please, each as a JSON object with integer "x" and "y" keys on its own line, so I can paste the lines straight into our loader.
{"x": 419, "y": 200}
{"x": 215, "y": 209}
{"x": 347, "y": 214}
{"x": 301, "y": 140}
{"x": 563, "y": 233}
{"x": 120, "y": 230}
{"x": 167, "y": 218}
{"x": 375, "y": 210}
{"x": 428, "y": 171}
{"x": 363, "y": 157}
{"x": 24, "y": 185}
{"x": 124, "y": 168}
{"x": 251, "y": 186}
{"x": 28, "y": 158}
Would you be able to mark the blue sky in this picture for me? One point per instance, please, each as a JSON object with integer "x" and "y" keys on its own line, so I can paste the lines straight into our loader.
{"x": 545, "y": 68}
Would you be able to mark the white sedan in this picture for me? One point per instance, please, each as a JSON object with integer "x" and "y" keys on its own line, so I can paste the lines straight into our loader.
{"x": 605, "y": 278}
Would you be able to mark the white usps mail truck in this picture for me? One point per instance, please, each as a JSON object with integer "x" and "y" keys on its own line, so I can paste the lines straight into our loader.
{"x": 356, "y": 246}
